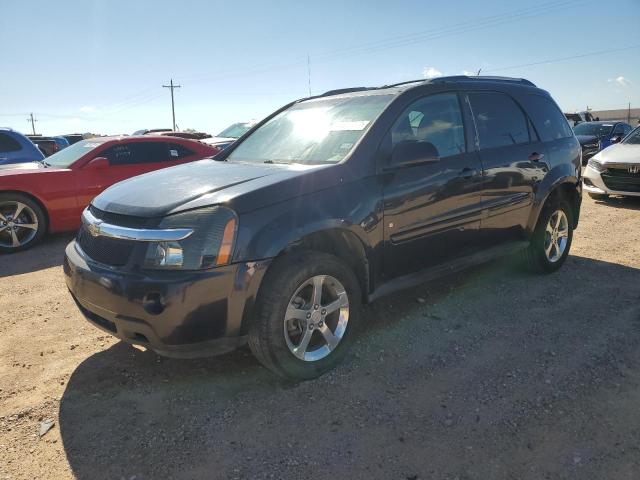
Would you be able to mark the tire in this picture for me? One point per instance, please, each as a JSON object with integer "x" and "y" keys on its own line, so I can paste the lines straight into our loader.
{"x": 287, "y": 289}
{"x": 599, "y": 196}
{"x": 536, "y": 256}
{"x": 13, "y": 236}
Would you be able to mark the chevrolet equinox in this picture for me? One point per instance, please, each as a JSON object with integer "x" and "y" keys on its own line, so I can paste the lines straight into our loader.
{"x": 329, "y": 202}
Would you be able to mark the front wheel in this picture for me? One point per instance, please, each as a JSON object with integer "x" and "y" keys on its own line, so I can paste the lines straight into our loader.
{"x": 551, "y": 239}
{"x": 22, "y": 222}
{"x": 306, "y": 315}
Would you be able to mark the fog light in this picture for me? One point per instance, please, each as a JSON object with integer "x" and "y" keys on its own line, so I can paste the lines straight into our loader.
{"x": 169, "y": 254}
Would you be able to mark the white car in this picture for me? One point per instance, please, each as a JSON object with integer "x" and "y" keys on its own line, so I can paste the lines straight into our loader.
{"x": 615, "y": 170}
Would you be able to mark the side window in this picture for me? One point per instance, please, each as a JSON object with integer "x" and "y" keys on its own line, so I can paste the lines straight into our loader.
{"x": 547, "y": 117}
{"x": 136, "y": 153}
{"x": 436, "y": 119}
{"x": 618, "y": 131}
{"x": 627, "y": 128}
{"x": 8, "y": 144}
{"x": 499, "y": 120}
{"x": 177, "y": 151}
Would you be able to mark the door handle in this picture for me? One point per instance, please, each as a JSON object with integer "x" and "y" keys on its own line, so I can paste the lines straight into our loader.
{"x": 536, "y": 157}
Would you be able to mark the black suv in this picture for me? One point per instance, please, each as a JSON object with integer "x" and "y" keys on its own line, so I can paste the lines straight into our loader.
{"x": 329, "y": 202}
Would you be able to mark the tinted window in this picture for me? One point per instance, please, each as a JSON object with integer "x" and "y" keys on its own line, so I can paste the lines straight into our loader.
{"x": 8, "y": 144}
{"x": 499, "y": 120}
{"x": 137, "y": 153}
{"x": 619, "y": 130}
{"x": 177, "y": 151}
{"x": 547, "y": 117}
{"x": 436, "y": 119}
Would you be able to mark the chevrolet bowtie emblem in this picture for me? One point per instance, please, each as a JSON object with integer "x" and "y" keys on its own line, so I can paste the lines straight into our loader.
{"x": 94, "y": 229}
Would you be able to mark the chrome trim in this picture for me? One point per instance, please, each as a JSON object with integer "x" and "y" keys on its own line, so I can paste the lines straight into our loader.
{"x": 97, "y": 227}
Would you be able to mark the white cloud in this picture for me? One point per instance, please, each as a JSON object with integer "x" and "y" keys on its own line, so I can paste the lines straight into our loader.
{"x": 87, "y": 109}
{"x": 430, "y": 72}
{"x": 620, "y": 81}
{"x": 468, "y": 73}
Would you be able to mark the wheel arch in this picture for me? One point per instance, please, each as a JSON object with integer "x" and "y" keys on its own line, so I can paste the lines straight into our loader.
{"x": 567, "y": 188}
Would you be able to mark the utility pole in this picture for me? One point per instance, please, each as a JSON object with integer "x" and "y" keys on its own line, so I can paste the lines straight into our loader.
{"x": 173, "y": 108}
{"x": 629, "y": 114}
{"x": 33, "y": 124}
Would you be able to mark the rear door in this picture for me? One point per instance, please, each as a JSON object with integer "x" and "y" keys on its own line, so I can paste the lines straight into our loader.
{"x": 514, "y": 162}
{"x": 431, "y": 211}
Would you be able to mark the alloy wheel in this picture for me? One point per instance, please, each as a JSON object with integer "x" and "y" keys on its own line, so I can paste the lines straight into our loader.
{"x": 18, "y": 224}
{"x": 556, "y": 236}
{"x": 316, "y": 318}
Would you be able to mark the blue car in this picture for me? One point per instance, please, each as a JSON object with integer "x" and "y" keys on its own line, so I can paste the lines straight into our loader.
{"x": 596, "y": 136}
{"x": 16, "y": 148}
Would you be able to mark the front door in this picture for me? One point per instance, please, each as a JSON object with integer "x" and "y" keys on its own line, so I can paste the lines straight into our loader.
{"x": 431, "y": 211}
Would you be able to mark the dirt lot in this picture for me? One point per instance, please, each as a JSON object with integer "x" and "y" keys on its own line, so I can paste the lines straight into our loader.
{"x": 492, "y": 374}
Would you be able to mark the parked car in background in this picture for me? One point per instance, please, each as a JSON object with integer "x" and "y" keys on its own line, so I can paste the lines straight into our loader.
{"x": 596, "y": 136}
{"x": 191, "y": 135}
{"x": 578, "y": 117}
{"x": 616, "y": 170}
{"x": 145, "y": 131}
{"x": 61, "y": 142}
{"x": 47, "y": 145}
{"x": 329, "y": 201}
{"x": 37, "y": 198}
{"x": 17, "y": 148}
{"x": 74, "y": 138}
{"x": 230, "y": 134}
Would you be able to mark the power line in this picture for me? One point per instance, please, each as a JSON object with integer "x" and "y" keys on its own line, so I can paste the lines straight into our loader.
{"x": 173, "y": 109}
{"x": 562, "y": 59}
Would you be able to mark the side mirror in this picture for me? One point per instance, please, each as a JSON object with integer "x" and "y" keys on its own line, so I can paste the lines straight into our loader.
{"x": 409, "y": 153}
{"x": 98, "y": 163}
{"x": 616, "y": 139}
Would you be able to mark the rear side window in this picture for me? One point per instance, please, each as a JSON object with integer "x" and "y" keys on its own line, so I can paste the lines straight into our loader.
{"x": 8, "y": 144}
{"x": 547, "y": 117}
{"x": 436, "y": 119}
{"x": 499, "y": 120}
{"x": 177, "y": 151}
{"x": 136, "y": 153}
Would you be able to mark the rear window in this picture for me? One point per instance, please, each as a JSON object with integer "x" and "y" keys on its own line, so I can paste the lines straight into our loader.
{"x": 177, "y": 151}
{"x": 499, "y": 120}
{"x": 547, "y": 118}
{"x": 136, "y": 153}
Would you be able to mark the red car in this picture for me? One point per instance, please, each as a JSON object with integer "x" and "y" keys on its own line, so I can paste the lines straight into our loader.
{"x": 36, "y": 198}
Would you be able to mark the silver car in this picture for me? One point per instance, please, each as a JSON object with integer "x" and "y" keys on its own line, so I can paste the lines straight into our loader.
{"x": 615, "y": 170}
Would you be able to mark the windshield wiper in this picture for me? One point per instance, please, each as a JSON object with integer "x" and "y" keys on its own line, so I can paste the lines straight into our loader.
{"x": 44, "y": 164}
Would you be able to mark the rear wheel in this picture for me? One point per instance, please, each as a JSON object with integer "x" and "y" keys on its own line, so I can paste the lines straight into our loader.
{"x": 552, "y": 238}
{"x": 22, "y": 222}
{"x": 306, "y": 315}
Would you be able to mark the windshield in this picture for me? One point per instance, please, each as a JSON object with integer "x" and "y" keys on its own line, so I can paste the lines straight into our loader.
{"x": 600, "y": 130}
{"x": 235, "y": 131}
{"x": 633, "y": 138}
{"x": 64, "y": 158}
{"x": 316, "y": 131}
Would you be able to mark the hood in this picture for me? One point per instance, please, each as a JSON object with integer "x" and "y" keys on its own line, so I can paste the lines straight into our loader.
{"x": 619, "y": 153}
{"x": 586, "y": 139}
{"x": 192, "y": 185}
{"x": 21, "y": 166}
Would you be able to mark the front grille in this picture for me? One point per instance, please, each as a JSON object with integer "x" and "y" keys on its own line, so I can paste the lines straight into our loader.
{"x": 109, "y": 251}
{"x": 619, "y": 178}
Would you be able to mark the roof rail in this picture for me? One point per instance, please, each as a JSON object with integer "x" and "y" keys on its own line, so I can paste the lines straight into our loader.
{"x": 338, "y": 91}
{"x": 422, "y": 80}
{"x": 483, "y": 78}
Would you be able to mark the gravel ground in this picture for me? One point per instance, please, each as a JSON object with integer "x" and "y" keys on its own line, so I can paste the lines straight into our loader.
{"x": 492, "y": 374}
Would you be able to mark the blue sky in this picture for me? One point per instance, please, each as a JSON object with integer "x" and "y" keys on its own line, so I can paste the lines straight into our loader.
{"x": 83, "y": 65}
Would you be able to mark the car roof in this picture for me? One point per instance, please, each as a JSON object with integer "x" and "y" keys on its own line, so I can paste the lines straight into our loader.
{"x": 400, "y": 87}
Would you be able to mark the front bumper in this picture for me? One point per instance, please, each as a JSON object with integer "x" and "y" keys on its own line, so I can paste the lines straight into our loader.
{"x": 593, "y": 183}
{"x": 176, "y": 314}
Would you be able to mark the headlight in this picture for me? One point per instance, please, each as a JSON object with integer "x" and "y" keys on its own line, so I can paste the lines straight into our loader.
{"x": 596, "y": 165}
{"x": 210, "y": 244}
